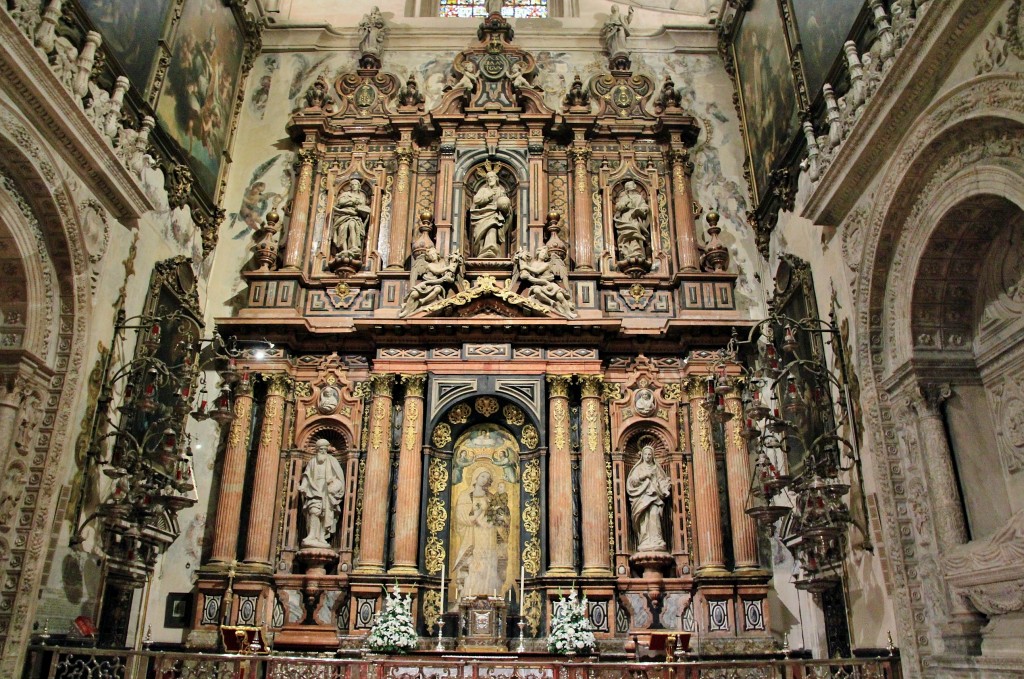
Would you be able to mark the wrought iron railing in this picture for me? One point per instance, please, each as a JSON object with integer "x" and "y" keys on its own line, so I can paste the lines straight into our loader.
{"x": 55, "y": 662}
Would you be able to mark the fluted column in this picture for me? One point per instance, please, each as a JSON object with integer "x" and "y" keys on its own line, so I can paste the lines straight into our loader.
{"x": 582, "y": 211}
{"x": 710, "y": 560}
{"x": 375, "y": 485}
{"x": 410, "y": 471}
{"x": 400, "y": 210}
{"x": 300, "y": 210}
{"x": 264, "y": 487}
{"x": 560, "y": 524}
{"x": 737, "y": 465}
{"x": 950, "y": 527}
{"x": 232, "y": 478}
{"x": 593, "y": 480}
{"x": 686, "y": 229}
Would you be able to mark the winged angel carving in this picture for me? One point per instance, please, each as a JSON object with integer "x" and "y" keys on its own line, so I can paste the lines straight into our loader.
{"x": 545, "y": 279}
{"x": 433, "y": 277}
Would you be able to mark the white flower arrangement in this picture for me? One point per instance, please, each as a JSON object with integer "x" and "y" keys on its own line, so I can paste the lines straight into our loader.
{"x": 393, "y": 631}
{"x": 570, "y": 627}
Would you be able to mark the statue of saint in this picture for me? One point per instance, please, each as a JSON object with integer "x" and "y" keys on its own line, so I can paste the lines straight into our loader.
{"x": 432, "y": 277}
{"x": 632, "y": 224}
{"x": 648, "y": 487}
{"x": 373, "y": 32}
{"x": 493, "y": 6}
{"x": 351, "y": 214}
{"x": 491, "y": 209}
{"x": 615, "y": 31}
{"x": 321, "y": 488}
{"x": 481, "y": 520}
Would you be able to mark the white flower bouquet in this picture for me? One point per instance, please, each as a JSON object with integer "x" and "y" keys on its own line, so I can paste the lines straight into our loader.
{"x": 393, "y": 631}
{"x": 571, "y": 633}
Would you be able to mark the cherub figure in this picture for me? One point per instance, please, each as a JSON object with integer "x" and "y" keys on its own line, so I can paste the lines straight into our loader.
{"x": 433, "y": 276}
{"x": 546, "y": 280}
{"x": 469, "y": 78}
{"x": 519, "y": 81}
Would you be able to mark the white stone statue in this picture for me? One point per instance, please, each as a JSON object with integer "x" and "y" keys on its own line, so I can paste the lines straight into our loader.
{"x": 489, "y": 216}
{"x": 632, "y": 224}
{"x": 373, "y": 32}
{"x": 545, "y": 278}
{"x": 493, "y": 6}
{"x": 350, "y": 217}
{"x": 433, "y": 276}
{"x": 648, "y": 487}
{"x": 321, "y": 489}
{"x": 615, "y": 31}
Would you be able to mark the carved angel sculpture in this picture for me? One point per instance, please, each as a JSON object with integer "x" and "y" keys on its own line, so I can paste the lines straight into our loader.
{"x": 546, "y": 279}
{"x": 433, "y": 276}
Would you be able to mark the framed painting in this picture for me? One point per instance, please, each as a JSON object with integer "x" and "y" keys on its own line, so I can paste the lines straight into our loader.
{"x": 766, "y": 88}
{"x": 823, "y": 26}
{"x": 131, "y": 29}
{"x": 197, "y": 100}
{"x": 177, "y": 610}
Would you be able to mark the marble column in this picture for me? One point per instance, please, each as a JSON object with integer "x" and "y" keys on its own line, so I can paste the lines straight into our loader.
{"x": 265, "y": 483}
{"x": 593, "y": 480}
{"x": 582, "y": 211}
{"x": 560, "y": 524}
{"x": 232, "y": 477}
{"x": 710, "y": 560}
{"x": 682, "y": 204}
{"x": 400, "y": 210}
{"x": 943, "y": 489}
{"x": 378, "y": 476}
{"x": 737, "y": 465}
{"x": 300, "y": 210}
{"x": 410, "y": 472}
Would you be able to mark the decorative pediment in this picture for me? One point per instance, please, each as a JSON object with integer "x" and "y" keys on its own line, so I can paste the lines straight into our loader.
{"x": 487, "y": 297}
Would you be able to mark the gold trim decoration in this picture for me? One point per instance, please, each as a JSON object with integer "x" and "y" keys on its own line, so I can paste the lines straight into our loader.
{"x": 437, "y": 515}
{"x": 611, "y": 505}
{"x": 486, "y": 285}
{"x": 303, "y": 390}
{"x": 412, "y": 413}
{"x": 611, "y": 391}
{"x": 270, "y": 421}
{"x": 513, "y": 415}
{"x": 591, "y": 385}
{"x": 442, "y": 435}
{"x": 672, "y": 392}
{"x": 531, "y": 556}
{"x": 558, "y": 386}
{"x": 591, "y": 416}
{"x": 431, "y": 607}
{"x": 460, "y": 414}
{"x": 414, "y": 384}
{"x": 434, "y": 554}
{"x": 561, "y": 416}
{"x": 531, "y": 515}
{"x": 486, "y": 405}
{"x": 437, "y": 475}
{"x": 530, "y": 437}
{"x": 662, "y": 414}
{"x": 381, "y": 384}
{"x": 380, "y": 411}
{"x": 278, "y": 384}
{"x": 532, "y": 610}
{"x": 531, "y": 477}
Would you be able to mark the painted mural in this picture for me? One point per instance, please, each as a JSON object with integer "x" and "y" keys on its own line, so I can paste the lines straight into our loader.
{"x": 767, "y": 89}
{"x": 131, "y": 29}
{"x": 824, "y": 26}
{"x": 197, "y": 100}
{"x": 485, "y": 512}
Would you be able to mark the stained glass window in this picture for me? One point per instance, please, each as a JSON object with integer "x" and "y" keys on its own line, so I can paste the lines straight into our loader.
{"x": 521, "y": 9}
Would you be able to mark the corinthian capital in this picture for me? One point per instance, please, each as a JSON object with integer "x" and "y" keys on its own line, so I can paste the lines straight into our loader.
{"x": 591, "y": 385}
{"x": 558, "y": 386}
{"x": 927, "y": 398}
{"x": 382, "y": 384}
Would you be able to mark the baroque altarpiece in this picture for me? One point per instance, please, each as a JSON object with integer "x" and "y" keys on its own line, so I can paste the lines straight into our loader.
{"x": 493, "y": 324}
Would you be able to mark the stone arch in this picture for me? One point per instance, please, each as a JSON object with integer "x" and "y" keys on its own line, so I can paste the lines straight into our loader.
{"x": 336, "y": 432}
{"x": 635, "y": 435}
{"x": 958, "y": 145}
{"x": 49, "y": 229}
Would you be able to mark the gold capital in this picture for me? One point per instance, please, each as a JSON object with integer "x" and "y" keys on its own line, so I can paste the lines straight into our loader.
{"x": 382, "y": 384}
{"x": 279, "y": 384}
{"x": 591, "y": 385}
{"x": 558, "y": 386}
{"x": 414, "y": 384}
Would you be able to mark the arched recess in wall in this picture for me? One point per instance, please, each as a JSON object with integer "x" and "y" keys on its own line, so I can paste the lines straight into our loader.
{"x": 41, "y": 371}
{"x": 949, "y": 196}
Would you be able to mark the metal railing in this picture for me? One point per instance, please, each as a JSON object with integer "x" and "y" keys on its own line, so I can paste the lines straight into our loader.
{"x": 56, "y": 662}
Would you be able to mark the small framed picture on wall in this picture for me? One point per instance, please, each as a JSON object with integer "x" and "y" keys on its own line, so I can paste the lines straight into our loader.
{"x": 179, "y": 607}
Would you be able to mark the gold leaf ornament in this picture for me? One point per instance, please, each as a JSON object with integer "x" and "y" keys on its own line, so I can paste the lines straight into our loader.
{"x": 530, "y": 436}
{"x": 486, "y": 405}
{"x": 460, "y": 414}
{"x": 437, "y": 476}
{"x": 531, "y": 477}
{"x": 442, "y": 435}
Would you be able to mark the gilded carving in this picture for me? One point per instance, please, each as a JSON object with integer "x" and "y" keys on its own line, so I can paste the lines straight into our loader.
{"x": 672, "y": 392}
{"x": 412, "y": 413}
{"x": 486, "y": 405}
{"x": 434, "y": 554}
{"x": 414, "y": 384}
{"x": 531, "y": 556}
{"x": 442, "y": 435}
{"x": 532, "y": 609}
{"x": 591, "y": 385}
{"x": 593, "y": 420}
{"x": 278, "y": 384}
{"x": 380, "y": 412}
{"x": 513, "y": 415}
{"x": 530, "y": 437}
{"x": 531, "y": 477}
{"x": 303, "y": 390}
{"x": 460, "y": 414}
{"x": 382, "y": 383}
{"x": 431, "y": 607}
{"x": 560, "y": 415}
{"x": 531, "y": 516}
{"x": 558, "y": 386}
{"x": 437, "y": 476}
{"x": 437, "y": 515}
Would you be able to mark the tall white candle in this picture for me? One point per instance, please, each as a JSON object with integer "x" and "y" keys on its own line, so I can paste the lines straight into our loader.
{"x": 442, "y": 588}
{"x": 522, "y": 585}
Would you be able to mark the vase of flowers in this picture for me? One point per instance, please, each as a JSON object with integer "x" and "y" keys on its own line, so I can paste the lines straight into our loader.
{"x": 571, "y": 633}
{"x": 393, "y": 631}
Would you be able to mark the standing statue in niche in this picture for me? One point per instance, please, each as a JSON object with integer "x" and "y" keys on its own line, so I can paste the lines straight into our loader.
{"x": 349, "y": 219}
{"x": 373, "y": 31}
{"x": 615, "y": 31}
{"x": 489, "y": 217}
{"x": 648, "y": 487}
{"x": 632, "y": 226}
{"x": 321, "y": 489}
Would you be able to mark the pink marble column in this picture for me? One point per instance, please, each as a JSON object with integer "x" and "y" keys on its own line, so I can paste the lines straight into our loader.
{"x": 265, "y": 481}
{"x": 399, "y": 238}
{"x": 232, "y": 478}
{"x": 710, "y": 559}
{"x": 737, "y": 464}
{"x": 410, "y": 472}
{"x": 378, "y": 471}
{"x": 583, "y": 210}
{"x": 682, "y": 204}
{"x": 295, "y": 244}
{"x": 593, "y": 480}
{"x": 560, "y": 524}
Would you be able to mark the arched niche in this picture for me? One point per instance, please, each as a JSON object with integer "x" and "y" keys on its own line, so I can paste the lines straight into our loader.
{"x": 513, "y": 179}
{"x": 634, "y": 439}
